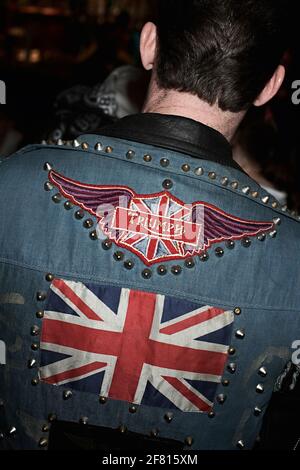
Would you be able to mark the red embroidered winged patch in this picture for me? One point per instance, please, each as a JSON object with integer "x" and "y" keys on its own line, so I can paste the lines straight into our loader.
{"x": 156, "y": 227}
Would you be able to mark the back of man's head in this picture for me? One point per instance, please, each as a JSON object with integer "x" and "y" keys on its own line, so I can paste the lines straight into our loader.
{"x": 223, "y": 51}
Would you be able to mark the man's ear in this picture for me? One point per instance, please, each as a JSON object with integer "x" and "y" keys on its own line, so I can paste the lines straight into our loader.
{"x": 148, "y": 45}
{"x": 272, "y": 87}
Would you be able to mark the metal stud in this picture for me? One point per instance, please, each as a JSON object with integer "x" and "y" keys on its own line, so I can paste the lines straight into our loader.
{"x": 76, "y": 144}
{"x": 230, "y": 244}
{"x": 119, "y": 256}
{"x": 102, "y": 400}
{"x": 266, "y": 199}
{"x": 79, "y": 214}
{"x": 52, "y": 417}
{"x": 67, "y": 394}
{"x": 241, "y": 445}
{"x": 129, "y": 265}
{"x": 12, "y": 431}
{"x": 57, "y": 198}
{"x": 107, "y": 244}
{"x": 275, "y": 205}
{"x": 48, "y": 186}
{"x": 261, "y": 237}
{"x": 132, "y": 409}
{"x": 231, "y": 351}
{"x": 167, "y": 184}
{"x": 94, "y": 235}
{"x": 211, "y": 414}
{"x": 147, "y": 273}
{"x": 237, "y": 311}
{"x": 43, "y": 442}
{"x": 35, "y": 346}
{"x": 48, "y": 166}
{"x": 162, "y": 270}
{"x": 1, "y": 435}
{"x": 221, "y": 399}
{"x": 257, "y": 411}
{"x": 199, "y": 171}
{"x": 225, "y": 181}
{"x": 189, "y": 441}
{"x": 277, "y": 221}
{"x": 49, "y": 277}
{"x": 246, "y": 242}
{"x": 240, "y": 334}
{"x": 130, "y": 154}
{"x": 186, "y": 168}
{"x": 169, "y": 417}
{"x": 89, "y": 223}
{"x": 98, "y": 147}
{"x": 35, "y": 382}
{"x": 68, "y": 205}
{"x": 263, "y": 372}
{"x": 41, "y": 296}
{"x": 31, "y": 363}
{"x": 232, "y": 368}
{"x": 246, "y": 190}
{"x": 284, "y": 208}
{"x": 44, "y": 142}
{"x": 35, "y": 331}
{"x": 39, "y": 314}
{"x": 225, "y": 383}
{"x": 165, "y": 162}
{"x": 109, "y": 149}
{"x": 260, "y": 388}
{"x": 219, "y": 252}
{"x": 234, "y": 185}
{"x": 84, "y": 420}
{"x": 273, "y": 234}
{"x": 189, "y": 263}
{"x": 212, "y": 175}
{"x": 45, "y": 428}
{"x": 147, "y": 158}
{"x": 204, "y": 257}
{"x": 154, "y": 433}
{"x": 122, "y": 429}
{"x": 176, "y": 270}
{"x": 1, "y": 402}
{"x": 255, "y": 194}
{"x": 60, "y": 142}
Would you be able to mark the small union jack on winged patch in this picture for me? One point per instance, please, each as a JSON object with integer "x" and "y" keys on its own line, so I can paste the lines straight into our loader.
{"x": 156, "y": 227}
{"x": 134, "y": 346}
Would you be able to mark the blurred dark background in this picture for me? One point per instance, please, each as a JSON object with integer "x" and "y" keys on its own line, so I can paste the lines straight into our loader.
{"x": 71, "y": 66}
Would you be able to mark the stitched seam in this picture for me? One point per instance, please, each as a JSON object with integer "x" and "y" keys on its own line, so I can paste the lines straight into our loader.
{"x": 171, "y": 292}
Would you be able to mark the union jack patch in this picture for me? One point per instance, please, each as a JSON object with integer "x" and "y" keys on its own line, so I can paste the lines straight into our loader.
{"x": 156, "y": 227}
{"x": 134, "y": 346}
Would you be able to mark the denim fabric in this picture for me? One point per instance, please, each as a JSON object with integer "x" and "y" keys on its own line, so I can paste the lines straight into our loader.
{"x": 38, "y": 237}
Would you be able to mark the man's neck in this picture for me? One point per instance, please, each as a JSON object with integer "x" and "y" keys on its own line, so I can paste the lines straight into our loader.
{"x": 187, "y": 105}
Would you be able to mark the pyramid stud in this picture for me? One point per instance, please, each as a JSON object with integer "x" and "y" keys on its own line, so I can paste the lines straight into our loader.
{"x": 263, "y": 372}
{"x": 48, "y": 166}
{"x": 98, "y": 147}
{"x": 266, "y": 199}
{"x": 246, "y": 190}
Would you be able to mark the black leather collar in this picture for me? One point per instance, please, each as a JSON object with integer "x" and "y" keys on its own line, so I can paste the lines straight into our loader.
{"x": 175, "y": 133}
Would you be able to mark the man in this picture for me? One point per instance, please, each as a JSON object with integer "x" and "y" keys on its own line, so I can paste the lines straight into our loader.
{"x": 149, "y": 288}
